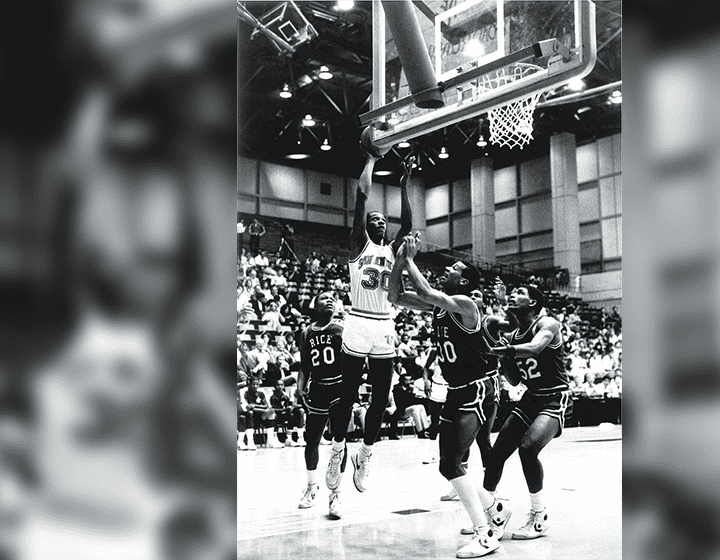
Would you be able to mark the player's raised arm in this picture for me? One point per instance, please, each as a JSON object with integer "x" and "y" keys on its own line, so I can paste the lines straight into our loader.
{"x": 459, "y": 303}
{"x": 397, "y": 295}
{"x": 405, "y": 208}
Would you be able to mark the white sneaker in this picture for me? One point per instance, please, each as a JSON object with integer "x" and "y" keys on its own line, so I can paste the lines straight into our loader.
{"x": 452, "y": 495}
{"x": 334, "y": 505}
{"x": 484, "y": 542}
{"x": 301, "y": 442}
{"x": 324, "y": 441}
{"x": 308, "y": 499}
{"x": 251, "y": 444}
{"x": 362, "y": 470}
{"x": 536, "y": 526}
{"x": 498, "y": 516}
{"x": 241, "y": 445}
{"x": 333, "y": 474}
{"x": 289, "y": 442}
{"x": 274, "y": 443}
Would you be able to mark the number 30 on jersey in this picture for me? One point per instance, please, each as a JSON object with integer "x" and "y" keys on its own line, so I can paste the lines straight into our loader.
{"x": 372, "y": 278}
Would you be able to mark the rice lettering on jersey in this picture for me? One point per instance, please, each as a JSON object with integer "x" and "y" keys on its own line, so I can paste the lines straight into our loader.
{"x": 545, "y": 373}
{"x": 461, "y": 351}
{"x": 370, "y": 280}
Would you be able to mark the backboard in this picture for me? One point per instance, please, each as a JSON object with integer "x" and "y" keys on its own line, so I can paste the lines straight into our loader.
{"x": 468, "y": 41}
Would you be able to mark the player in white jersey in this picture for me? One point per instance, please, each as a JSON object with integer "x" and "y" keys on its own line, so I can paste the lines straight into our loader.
{"x": 369, "y": 326}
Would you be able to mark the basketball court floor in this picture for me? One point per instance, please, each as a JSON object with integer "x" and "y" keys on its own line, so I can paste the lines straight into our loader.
{"x": 401, "y": 516}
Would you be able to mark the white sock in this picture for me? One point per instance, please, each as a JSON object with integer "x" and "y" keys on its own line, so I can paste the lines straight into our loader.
{"x": 485, "y": 497}
{"x": 366, "y": 449}
{"x": 536, "y": 501}
{"x": 312, "y": 477}
{"x": 468, "y": 493}
{"x": 338, "y": 445}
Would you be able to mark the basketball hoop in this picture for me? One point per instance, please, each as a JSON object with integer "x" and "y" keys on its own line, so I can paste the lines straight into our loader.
{"x": 512, "y": 124}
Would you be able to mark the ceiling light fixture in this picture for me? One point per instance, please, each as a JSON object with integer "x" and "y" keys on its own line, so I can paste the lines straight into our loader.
{"x": 325, "y": 73}
{"x": 404, "y": 144}
{"x": 443, "y": 153}
{"x": 308, "y": 120}
{"x": 286, "y": 93}
{"x": 616, "y": 97}
{"x": 298, "y": 152}
{"x": 576, "y": 84}
{"x": 325, "y": 146}
{"x": 345, "y": 5}
{"x": 481, "y": 141}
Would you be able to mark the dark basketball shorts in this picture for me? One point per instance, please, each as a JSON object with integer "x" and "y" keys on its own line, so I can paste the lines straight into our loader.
{"x": 558, "y": 405}
{"x": 321, "y": 397}
{"x": 477, "y": 396}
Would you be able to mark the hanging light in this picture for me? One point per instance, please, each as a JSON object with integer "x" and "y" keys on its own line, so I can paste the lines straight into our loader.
{"x": 325, "y": 146}
{"x": 298, "y": 151}
{"x": 576, "y": 84}
{"x": 481, "y": 141}
{"x": 286, "y": 93}
{"x": 443, "y": 153}
{"x": 325, "y": 73}
{"x": 616, "y": 97}
{"x": 404, "y": 144}
{"x": 308, "y": 120}
{"x": 345, "y": 5}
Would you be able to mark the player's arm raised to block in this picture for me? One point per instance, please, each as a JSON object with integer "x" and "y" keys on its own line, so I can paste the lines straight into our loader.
{"x": 397, "y": 295}
{"x": 460, "y": 304}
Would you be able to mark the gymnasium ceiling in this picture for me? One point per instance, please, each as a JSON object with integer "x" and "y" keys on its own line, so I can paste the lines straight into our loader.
{"x": 266, "y": 122}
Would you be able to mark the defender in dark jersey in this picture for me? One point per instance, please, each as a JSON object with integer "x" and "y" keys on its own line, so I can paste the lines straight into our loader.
{"x": 490, "y": 333}
{"x": 466, "y": 366}
{"x": 321, "y": 369}
{"x": 535, "y": 356}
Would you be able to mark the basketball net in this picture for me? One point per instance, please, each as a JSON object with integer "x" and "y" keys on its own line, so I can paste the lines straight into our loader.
{"x": 512, "y": 124}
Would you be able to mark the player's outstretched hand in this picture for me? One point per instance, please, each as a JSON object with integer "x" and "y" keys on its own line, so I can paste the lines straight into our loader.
{"x": 407, "y": 165}
{"x": 411, "y": 247}
{"x": 500, "y": 290}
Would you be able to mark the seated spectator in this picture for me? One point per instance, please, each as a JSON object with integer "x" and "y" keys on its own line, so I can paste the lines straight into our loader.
{"x": 261, "y": 260}
{"x": 277, "y": 296}
{"x": 250, "y": 364}
{"x": 576, "y": 384}
{"x": 272, "y": 318}
{"x": 590, "y": 388}
{"x": 406, "y": 349}
{"x": 607, "y": 359}
{"x": 331, "y": 270}
{"x": 609, "y": 388}
{"x": 264, "y": 359}
{"x": 595, "y": 363}
{"x": 408, "y": 405}
{"x": 257, "y": 412}
{"x": 288, "y": 413}
{"x": 577, "y": 362}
